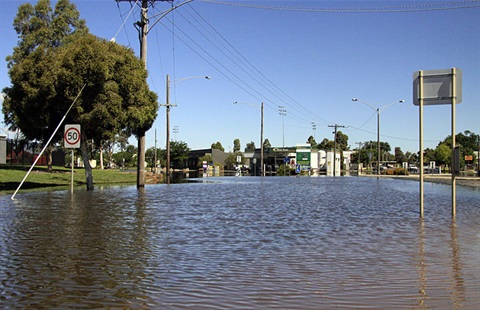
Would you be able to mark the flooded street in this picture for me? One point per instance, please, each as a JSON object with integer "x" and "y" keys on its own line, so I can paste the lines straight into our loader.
{"x": 243, "y": 243}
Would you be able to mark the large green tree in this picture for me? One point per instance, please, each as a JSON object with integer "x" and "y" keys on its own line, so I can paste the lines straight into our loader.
{"x": 40, "y": 29}
{"x": 46, "y": 80}
{"x": 443, "y": 155}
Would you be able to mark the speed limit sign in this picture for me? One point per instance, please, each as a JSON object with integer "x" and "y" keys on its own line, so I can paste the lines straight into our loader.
{"x": 72, "y": 136}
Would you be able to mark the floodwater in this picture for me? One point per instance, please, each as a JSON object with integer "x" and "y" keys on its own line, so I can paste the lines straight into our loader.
{"x": 242, "y": 243}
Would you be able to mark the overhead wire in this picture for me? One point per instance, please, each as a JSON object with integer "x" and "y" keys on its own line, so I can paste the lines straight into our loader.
{"x": 436, "y": 6}
{"x": 124, "y": 21}
{"x": 246, "y": 62}
{"x": 233, "y": 55}
{"x": 247, "y": 67}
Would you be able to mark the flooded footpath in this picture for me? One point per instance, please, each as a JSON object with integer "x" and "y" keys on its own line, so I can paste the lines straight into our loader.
{"x": 243, "y": 243}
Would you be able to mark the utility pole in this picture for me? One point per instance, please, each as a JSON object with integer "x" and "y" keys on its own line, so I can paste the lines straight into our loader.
{"x": 335, "y": 146}
{"x": 358, "y": 154}
{"x": 167, "y": 105}
{"x": 283, "y": 112}
{"x": 143, "y": 31}
{"x": 262, "y": 170}
{"x": 155, "y": 155}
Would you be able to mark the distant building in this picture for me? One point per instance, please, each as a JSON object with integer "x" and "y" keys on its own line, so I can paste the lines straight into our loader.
{"x": 218, "y": 157}
{"x": 3, "y": 149}
{"x": 301, "y": 157}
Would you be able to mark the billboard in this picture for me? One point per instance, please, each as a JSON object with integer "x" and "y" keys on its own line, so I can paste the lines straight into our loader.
{"x": 438, "y": 86}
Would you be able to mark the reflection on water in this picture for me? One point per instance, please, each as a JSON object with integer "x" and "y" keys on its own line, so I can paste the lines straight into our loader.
{"x": 242, "y": 243}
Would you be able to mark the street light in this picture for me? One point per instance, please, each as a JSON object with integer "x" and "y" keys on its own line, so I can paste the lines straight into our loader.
{"x": 262, "y": 171}
{"x": 168, "y": 105}
{"x": 378, "y": 110}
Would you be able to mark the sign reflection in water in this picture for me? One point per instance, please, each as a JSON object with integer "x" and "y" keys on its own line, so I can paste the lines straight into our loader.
{"x": 310, "y": 243}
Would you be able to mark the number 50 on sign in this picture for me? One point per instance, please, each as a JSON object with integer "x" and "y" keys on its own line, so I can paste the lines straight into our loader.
{"x": 72, "y": 136}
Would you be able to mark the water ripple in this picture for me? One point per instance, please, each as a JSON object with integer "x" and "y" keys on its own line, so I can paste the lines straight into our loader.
{"x": 242, "y": 243}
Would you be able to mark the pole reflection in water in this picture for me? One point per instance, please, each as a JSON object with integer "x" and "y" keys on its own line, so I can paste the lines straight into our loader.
{"x": 458, "y": 285}
{"x": 244, "y": 243}
{"x": 422, "y": 272}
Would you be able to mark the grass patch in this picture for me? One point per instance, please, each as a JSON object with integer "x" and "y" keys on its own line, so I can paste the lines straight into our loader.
{"x": 40, "y": 177}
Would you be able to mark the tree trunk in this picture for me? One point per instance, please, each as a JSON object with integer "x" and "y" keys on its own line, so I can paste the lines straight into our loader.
{"x": 49, "y": 158}
{"x": 86, "y": 162}
{"x": 101, "y": 158}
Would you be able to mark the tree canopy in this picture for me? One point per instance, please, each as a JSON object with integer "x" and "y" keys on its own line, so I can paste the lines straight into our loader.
{"x": 217, "y": 145}
{"x": 236, "y": 145}
{"x": 54, "y": 59}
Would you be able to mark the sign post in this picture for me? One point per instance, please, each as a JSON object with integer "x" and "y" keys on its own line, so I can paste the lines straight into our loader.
{"x": 71, "y": 140}
{"x": 435, "y": 87}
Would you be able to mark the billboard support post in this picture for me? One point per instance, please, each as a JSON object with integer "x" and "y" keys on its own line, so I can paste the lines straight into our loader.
{"x": 435, "y": 87}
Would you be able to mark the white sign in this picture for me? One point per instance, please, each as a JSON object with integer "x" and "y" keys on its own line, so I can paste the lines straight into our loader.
{"x": 72, "y": 136}
{"x": 438, "y": 86}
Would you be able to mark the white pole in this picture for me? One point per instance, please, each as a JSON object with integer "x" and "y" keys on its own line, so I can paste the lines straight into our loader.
{"x": 420, "y": 100}
{"x": 454, "y": 183}
{"x": 48, "y": 142}
{"x": 71, "y": 180}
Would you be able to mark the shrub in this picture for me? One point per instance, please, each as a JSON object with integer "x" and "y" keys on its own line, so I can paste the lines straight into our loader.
{"x": 400, "y": 171}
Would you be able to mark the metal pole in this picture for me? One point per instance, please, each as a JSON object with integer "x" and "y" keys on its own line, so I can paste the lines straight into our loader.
{"x": 262, "y": 170}
{"x": 335, "y": 151}
{"x": 420, "y": 100}
{"x": 454, "y": 183}
{"x": 378, "y": 141}
{"x": 478, "y": 155}
{"x": 167, "y": 105}
{"x": 71, "y": 179}
{"x": 143, "y": 57}
{"x": 155, "y": 154}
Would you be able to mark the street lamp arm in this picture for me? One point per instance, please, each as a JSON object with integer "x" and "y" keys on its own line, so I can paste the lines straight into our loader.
{"x": 246, "y": 103}
{"x": 366, "y": 103}
{"x": 192, "y": 77}
{"x": 380, "y": 109}
{"x": 163, "y": 14}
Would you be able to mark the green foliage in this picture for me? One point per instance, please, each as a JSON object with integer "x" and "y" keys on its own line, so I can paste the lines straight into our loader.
{"x": 150, "y": 156}
{"x": 326, "y": 144}
{"x": 370, "y": 148}
{"x": 285, "y": 170}
{"x": 443, "y": 154}
{"x": 266, "y": 144}
{"x": 400, "y": 171}
{"x": 236, "y": 145}
{"x": 40, "y": 26}
{"x": 312, "y": 142}
{"x": 342, "y": 141}
{"x": 467, "y": 141}
{"x": 231, "y": 160}
{"x": 399, "y": 156}
{"x": 207, "y": 158}
{"x": 251, "y": 145}
{"x": 55, "y": 57}
{"x": 218, "y": 146}
{"x": 178, "y": 153}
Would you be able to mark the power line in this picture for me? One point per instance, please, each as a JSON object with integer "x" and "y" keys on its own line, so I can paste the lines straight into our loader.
{"x": 437, "y": 6}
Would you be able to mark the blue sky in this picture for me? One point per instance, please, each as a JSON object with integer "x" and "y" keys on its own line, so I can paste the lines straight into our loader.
{"x": 310, "y": 61}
